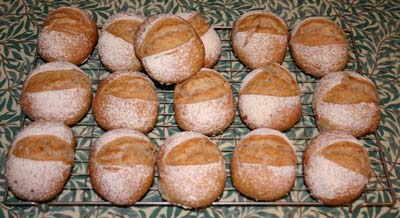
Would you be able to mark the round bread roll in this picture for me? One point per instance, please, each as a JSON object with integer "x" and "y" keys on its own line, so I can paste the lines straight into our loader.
{"x": 57, "y": 91}
{"x": 346, "y": 101}
{"x": 169, "y": 48}
{"x": 121, "y": 166}
{"x": 204, "y": 103}
{"x": 126, "y": 99}
{"x": 209, "y": 37}
{"x": 116, "y": 47}
{"x": 263, "y": 165}
{"x": 319, "y": 46}
{"x": 269, "y": 97}
{"x": 336, "y": 168}
{"x": 40, "y": 160}
{"x": 68, "y": 34}
{"x": 192, "y": 170}
{"x": 258, "y": 38}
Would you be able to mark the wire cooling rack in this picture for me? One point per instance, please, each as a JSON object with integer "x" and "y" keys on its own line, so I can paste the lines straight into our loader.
{"x": 78, "y": 190}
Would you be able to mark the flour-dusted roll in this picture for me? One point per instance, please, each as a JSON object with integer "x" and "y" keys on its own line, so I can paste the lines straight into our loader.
{"x": 269, "y": 97}
{"x": 319, "y": 46}
{"x": 57, "y": 91}
{"x": 68, "y": 34}
{"x": 122, "y": 165}
{"x": 209, "y": 37}
{"x": 336, "y": 168}
{"x": 346, "y": 101}
{"x": 263, "y": 165}
{"x": 192, "y": 170}
{"x": 204, "y": 103}
{"x": 40, "y": 160}
{"x": 259, "y": 38}
{"x": 169, "y": 48}
{"x": 126, "y": 99}
{"x": 116, "y": 42}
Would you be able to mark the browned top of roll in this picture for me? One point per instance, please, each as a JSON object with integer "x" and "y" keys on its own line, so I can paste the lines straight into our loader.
{"x": 348, "y": 155}
{"x": 266, "y": 149}
{"x": 128, "y": 85}
{"x": 71, "y": 21}
{"x": 167, "y": 33}
{"x": 124, "y": 29}
{"x": 272, "y": 80}
{"x": 126, "y": 151}
{"x": 318, "y": 31}
{"x": 352, "y": 90}
{"x": 207, "y": 84}
{"x": 194, "y": 151}
{"x": 57, "y": 80}
{"x": 44, "y": 148}
{"x": 261, "y": 22}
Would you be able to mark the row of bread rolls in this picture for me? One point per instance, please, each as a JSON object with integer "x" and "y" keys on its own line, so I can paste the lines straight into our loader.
{"x": 191, "y": 167}
{"x": 203, "y": 102}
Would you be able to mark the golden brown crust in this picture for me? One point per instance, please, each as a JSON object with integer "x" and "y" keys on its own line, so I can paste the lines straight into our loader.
{"x": 71, "y": 25}
{"x": 315, "y": 32}
{"x": 199, "y": 23}
{"x": 166, "y": 34}
{"x": 271, "y": 150}
{"x": 44, "y": 148}
{"x": 352, "y": 90}
{"x": 272, "y": 80}
{"x": 204, "y": 85}
{"x": 195, "y": 151}
{"x": 124, "y": 29}
{"x": 265, "y": 39}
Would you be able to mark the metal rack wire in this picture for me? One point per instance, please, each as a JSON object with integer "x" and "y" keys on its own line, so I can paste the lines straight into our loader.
{"x": 78, "y": 191}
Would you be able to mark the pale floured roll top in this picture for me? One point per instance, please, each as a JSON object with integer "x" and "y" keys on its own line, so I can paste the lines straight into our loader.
{"x": 122, "y": 165}
{"x": 204, "y": 103}
{"x": 68, "y": 34}
{"x": 116, "y": 42}
{"x": 338, "y": 165}
{"x": 39, "y": 160}
{"x": 56, "y": 91}
{"x": 209, "y": 37}
{"x": 169, "y": 48}
{"x": 347, "y": 100}
{"x": 269, "y": 97}
{"x": 319, "y": 46}
{"x": 262, "y": 37}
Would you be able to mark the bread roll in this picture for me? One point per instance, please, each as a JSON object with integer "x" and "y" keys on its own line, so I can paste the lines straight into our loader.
{"x": 258, "y": 38}
{"x": 192, "y": 170}
{"x": 68, "y": 34}
{"x": 346, "y": 101}
{"x": 40, "y": 160}
{"x": 263, "y": 165}
{"x": 169, "y": 48}
{"x": 336, "y": 168}
{"x": 126, "y": 99}
{"x": 319, "y": 46}
{"x": 204, "y": 103}
{"x": 116, "y": 47}
{"x": 269, "y": 97}
{"x": 57, "y": 91}
{"x": 209, "y": 37}
{"x": 122, "y": 165}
